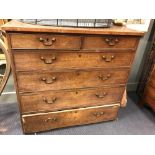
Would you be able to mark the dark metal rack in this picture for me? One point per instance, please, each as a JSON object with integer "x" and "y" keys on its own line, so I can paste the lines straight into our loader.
{"x": 104, "y": 23}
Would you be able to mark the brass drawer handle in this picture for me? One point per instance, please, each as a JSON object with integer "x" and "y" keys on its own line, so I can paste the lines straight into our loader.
{"x": 48, "y": 60}
{"x": 53, "y": 100}
{"x": 108, "y": 58}
{"x": 111, "y": 41}
{"x": 104, "y": 77}
{"x": 51, "y": 119}
{"x": 49, "y": 80}
{"x": 47, "y": 41}
{"x": 101, "y": 95}
{"x": 97, "y": 114}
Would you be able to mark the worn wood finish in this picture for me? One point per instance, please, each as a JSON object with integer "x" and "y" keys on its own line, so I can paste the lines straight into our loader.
{"x": 109, "y": 42}
{"x": 16, "y": 26}
{"x": 70, "y": 99}
{"x": 124, "y": 99}
{"x": 149, "y": 97}
{"x": 45, "y": 41}
{"x": 70, "y": 42}
{"x": 149, "y": 91}
{"x": 72, "y": 60}
{"x": 41, "y": 81}
{"x": 52, "y": 120}
{"x": 77, "y": 77}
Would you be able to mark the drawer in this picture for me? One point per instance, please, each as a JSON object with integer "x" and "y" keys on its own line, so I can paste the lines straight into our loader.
{"x": 45, "y": 41}
{"x": 70, "y": 99}
{"x": 110, "y": 42}
{"x": 42, "y": 81}
{"x": 51, "y": 120}
{"x": 47, "y": 60}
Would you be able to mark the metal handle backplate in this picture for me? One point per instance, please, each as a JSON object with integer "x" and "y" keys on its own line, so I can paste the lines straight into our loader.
{"x": 101, "y": 95}
{"x": 111, "y": 41}
{"x": 48, "y": 60}
{"x": 104, "y": 77}
{"x": 50, "y": 120}
{"x": 49, "y": 101}
{"x": 108, "y": 58}
{"x": 47, "y": 41}
{"x": 49, "y": 80}
{"x": 98, "y": 114}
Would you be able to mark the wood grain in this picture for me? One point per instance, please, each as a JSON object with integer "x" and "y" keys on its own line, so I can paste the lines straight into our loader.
{"x": 32, "y": 81}
{"x": 71, "y": 60}
{"x": 69, "y": 76}
{"x": 70, "y": 99}
{"x": 109, "y": 42}
{"x": 47, "y": 121}
{"x": 49, "y": 41}
{"x": 16, "y": 26}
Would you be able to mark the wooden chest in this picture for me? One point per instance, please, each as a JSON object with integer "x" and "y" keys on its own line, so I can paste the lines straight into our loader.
{"x": 146, "y": 87}
{"x": 69, "y": 76}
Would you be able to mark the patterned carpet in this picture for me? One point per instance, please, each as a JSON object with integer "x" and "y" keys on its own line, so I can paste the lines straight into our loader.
{"x": 132, "y": 120}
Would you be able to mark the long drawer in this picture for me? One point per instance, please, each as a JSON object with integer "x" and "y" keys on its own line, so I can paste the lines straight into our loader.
{"x": 48, "y": 80}
{"x": 46, "y": 121}
{"x": 62, "y": 100}
{"x": 43, "y": 60}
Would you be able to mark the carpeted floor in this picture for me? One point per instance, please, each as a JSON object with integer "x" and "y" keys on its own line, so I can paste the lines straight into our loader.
{"x": 132, "y": 120}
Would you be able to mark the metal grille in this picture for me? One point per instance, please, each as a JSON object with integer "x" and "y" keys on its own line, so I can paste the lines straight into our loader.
{"x": 70, "y": 22}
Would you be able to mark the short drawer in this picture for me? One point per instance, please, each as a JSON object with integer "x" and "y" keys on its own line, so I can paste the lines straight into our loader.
{"x": 70, "y": 99}
{"x": 110, "y": 42}
{"x": 47, "y": 60}
{"x": 47, "y": 121}
{"x": 47, "y": 80}
{"x": 45, "y": 41}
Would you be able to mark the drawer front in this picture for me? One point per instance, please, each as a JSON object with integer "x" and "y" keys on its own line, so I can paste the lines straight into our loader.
{"x": 42, "y": 81}
{"x": 70, "y": 99}
{"x": 44, "y": 60}
{"x": 45, "y": 41}
{"x": 52, "y": 120}
{"x": 110, "y": 42}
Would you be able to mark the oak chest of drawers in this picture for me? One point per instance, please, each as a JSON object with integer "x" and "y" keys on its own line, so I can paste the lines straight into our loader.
{"x": 69, "y": 76}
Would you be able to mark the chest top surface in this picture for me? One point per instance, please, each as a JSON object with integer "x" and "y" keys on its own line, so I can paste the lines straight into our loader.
{"x": 16, "y": 26}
